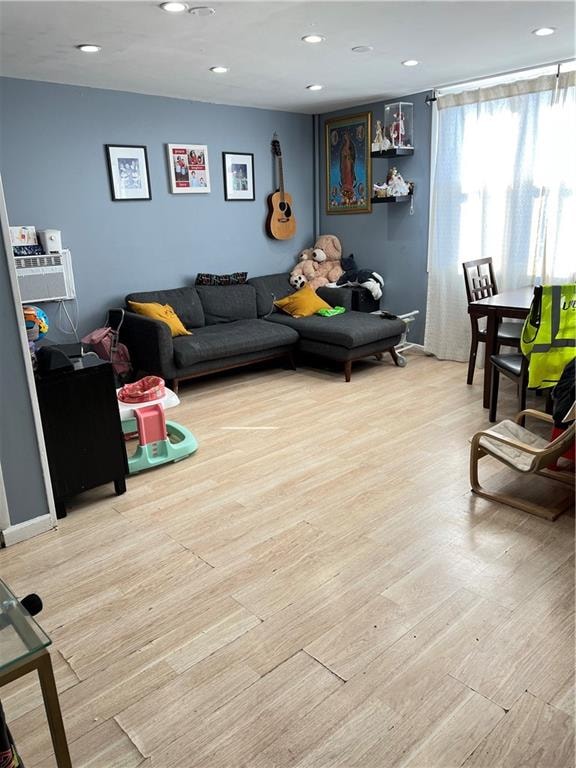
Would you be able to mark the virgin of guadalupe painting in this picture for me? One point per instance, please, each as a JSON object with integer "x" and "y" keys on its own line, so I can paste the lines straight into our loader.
{"x": 348, "y": 167}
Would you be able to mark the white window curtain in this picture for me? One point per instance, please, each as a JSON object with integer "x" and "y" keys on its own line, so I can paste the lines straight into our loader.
{"x": 504, "y": 186}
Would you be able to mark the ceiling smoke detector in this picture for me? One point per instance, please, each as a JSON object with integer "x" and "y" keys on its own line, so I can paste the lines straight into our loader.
{"x": 202, "y": 10}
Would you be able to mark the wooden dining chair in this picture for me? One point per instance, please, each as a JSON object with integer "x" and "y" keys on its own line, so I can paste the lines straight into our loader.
{"x": 527, "y": 453}
{"x": 480, "y": 284}
{"x": 515, "y": 367}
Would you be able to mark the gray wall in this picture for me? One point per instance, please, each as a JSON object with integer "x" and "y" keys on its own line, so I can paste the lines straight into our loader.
{"x": 19, "y": 456}
{"x": 55, "y": 176}
{"x": 389, "y": 240}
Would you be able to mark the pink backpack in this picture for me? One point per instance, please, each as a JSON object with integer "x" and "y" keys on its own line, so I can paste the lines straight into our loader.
{"x": 104, "y": 341}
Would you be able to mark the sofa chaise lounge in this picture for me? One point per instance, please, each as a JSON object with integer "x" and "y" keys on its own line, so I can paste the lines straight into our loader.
{"x": 238, "y": 325}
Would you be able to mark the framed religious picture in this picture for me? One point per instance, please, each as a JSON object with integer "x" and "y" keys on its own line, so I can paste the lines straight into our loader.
{"x": 128, "y": 172}
{"x": 348, "y": 166}
{"x": 188, "y": 168}
{"x": 238, "y": 175}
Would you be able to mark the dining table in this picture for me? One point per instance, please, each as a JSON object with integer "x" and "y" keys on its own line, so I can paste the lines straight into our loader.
{"x": 508, "y": 304}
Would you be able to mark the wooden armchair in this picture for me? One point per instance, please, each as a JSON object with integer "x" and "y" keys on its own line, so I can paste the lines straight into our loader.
{"x": 525, "y": 452}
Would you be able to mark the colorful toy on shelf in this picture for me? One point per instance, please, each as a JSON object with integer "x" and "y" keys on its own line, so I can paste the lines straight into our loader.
{"x": 36, "y": 322}
{"x": 381, "y": 142}
{"x": 399, "y": 125}
{"x": 381, "y": 190}
{"x": 397, "y": 187}
{"x": 397, "y": 131}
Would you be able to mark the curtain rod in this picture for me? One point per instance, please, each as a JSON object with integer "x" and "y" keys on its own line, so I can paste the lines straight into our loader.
{"x": 433, "y": 97}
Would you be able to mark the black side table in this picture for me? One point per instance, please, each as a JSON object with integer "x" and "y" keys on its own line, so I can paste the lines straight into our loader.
{"x": 363, "y": 301}
{"x": 82, "y": 429}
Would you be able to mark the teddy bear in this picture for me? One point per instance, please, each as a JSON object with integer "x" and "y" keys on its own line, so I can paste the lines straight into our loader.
{"x": 327, "y": 254}
{"x": 319, "y": 265}
{"x": 305, "y": 271}
{"x": 365, "y": 278}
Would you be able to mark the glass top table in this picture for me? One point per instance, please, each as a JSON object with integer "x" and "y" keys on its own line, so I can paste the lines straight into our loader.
{"x": 23, "y": 649}
{"x": 20, "y": 635}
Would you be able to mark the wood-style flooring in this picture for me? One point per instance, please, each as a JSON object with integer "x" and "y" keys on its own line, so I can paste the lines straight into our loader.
{"x": 315, "y": 588}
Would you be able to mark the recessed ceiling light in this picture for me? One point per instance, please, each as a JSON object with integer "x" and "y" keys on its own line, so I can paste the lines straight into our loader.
{"x": 410, "y": 63}
{"x": 89, "y": 48}
{"x": 544, "y": 31}
{"x": 362, "y": 48}
{"x": 174, "y": 7}
{"x": 313, "y": 38}
{"x": 203, "y": 10}
{"x": 314, "y": 87}
{"x": 219, "y": 70}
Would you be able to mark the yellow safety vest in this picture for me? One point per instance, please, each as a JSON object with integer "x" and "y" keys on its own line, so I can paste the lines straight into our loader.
{"x": 549, "y": 334}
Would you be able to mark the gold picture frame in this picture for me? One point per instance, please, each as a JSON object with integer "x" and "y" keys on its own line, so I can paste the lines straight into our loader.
{"x": 348, "y": 164}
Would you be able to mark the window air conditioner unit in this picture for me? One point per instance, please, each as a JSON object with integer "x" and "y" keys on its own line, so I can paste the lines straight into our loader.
{"x": 46, "y": 277}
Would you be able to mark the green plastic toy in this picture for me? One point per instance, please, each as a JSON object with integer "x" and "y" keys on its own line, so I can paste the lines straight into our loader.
{"x": 331, "y": 312}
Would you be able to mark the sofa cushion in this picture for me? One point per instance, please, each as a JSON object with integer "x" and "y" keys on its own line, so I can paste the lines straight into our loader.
{"x": 268, "y": 288}
{"x": 207, "y": 278}
{"x": 162, "y": 312}
{"x": 349, "y": 330}
{"x": 302, "y": 303}
{"x": 214, "y": 342}
{"x": 226, "y": 303}
{"x": 184, "y": 301}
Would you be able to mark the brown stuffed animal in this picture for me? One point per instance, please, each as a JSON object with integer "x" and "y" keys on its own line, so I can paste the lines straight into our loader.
{"x": 327, "y": 254}
{"x": 305, "y": 271}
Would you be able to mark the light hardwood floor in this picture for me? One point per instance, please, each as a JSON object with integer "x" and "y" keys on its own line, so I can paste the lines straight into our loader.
{"x": 315, "y": 588}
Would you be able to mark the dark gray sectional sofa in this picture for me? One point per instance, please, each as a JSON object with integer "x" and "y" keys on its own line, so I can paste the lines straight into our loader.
{"x": 237, "y": 325}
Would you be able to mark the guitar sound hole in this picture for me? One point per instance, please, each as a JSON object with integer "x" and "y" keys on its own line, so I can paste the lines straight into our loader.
{"x": 286, "y": 210}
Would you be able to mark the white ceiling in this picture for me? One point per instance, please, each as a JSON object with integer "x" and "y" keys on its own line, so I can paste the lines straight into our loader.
{"x": 149, "y": 51}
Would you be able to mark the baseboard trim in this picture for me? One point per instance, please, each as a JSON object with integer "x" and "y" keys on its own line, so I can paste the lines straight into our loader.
{"x": 26, "y": 530}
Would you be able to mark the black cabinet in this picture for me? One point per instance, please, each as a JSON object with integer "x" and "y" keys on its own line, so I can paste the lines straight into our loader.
{"x": 82, "y": 429}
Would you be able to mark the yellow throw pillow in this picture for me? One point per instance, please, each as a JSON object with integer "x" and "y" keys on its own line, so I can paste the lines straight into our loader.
{"x": 303, "y": 303}
{"x": 162, "y": 312}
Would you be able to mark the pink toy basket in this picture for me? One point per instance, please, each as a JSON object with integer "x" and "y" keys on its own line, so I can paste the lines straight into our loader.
{"x": 143, "y": 391}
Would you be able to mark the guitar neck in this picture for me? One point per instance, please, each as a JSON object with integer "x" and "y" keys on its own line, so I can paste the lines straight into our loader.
{"x": 281, "y": 177}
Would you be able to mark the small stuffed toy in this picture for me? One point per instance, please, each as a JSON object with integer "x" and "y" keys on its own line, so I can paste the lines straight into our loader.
{"x": 364, "y": 278}
{"x": 305, "y": 271}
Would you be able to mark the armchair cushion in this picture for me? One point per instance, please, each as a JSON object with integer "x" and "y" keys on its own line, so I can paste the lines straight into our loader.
{"x": 520, "y": 459}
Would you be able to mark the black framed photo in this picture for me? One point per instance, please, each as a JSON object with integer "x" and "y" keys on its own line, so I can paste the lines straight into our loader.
{"x": 128, "y": 172}
{"x": 238, "y": 175}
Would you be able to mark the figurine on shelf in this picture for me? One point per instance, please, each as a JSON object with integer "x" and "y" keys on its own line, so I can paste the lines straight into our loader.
{"x": 397, "y": 130}
{"x": 381, "y": 190}
{"x": 380, "y": 143}
{"x": 397, "y": 187}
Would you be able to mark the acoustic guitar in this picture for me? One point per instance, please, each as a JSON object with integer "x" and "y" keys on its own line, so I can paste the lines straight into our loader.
{"x": 281, "y": 223}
